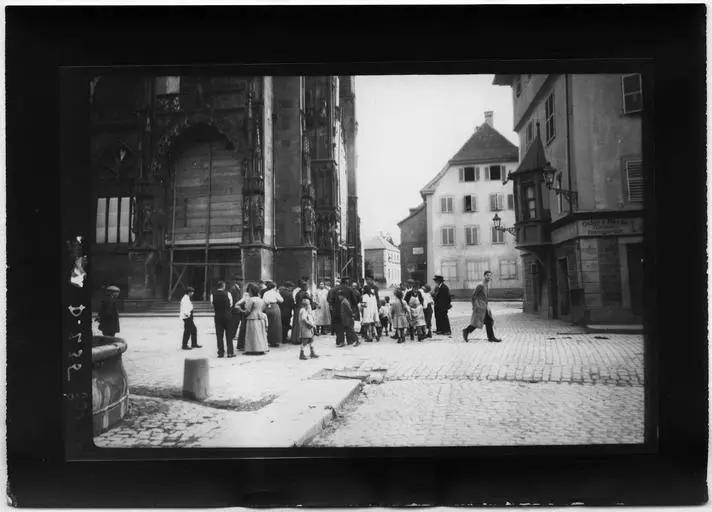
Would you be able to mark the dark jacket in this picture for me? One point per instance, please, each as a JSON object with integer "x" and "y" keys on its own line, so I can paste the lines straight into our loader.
{"x": 413, "y": 292}
{"x": 221, "y": 303}
{"x": 288, "y": 304}
{"x": 346, "y": 314}
{"x": 441, "y": 297}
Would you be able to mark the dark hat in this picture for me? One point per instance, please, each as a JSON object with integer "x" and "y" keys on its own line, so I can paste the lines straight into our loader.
{"x": 438, "y": 277}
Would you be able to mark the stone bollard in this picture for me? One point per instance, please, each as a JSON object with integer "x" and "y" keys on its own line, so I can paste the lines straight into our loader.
{"x": 195, "y": 379}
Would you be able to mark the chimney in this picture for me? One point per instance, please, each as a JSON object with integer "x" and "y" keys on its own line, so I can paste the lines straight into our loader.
{"x": 488, "y": 118}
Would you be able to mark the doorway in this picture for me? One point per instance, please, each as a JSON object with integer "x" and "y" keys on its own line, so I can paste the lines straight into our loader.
{"x": 636, "y": 260}
{"x": 562, "y": 282}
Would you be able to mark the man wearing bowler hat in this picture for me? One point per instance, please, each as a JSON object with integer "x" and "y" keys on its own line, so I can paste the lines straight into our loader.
{"x": 441, "y": 298}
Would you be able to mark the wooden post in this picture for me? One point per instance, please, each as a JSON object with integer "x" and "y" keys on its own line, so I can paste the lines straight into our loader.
{"x": 173, "y": 238}
{"x": 207, "y": 227}
{"x": 196, "y": 380}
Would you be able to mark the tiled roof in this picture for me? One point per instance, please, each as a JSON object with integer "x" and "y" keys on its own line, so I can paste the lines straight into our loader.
{"x": 378, "y": 242}
{"x": 486, "y": 145}
{"x": 535, "y": 158}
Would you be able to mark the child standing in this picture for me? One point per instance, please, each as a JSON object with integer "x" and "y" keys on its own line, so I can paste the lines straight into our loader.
{"x": 417, "y": 318}
{"x": 369, "y": 317}
{"x": 400, "y": 313}
{"x": 306, "y": 329}
{"x": 384, "y": 313}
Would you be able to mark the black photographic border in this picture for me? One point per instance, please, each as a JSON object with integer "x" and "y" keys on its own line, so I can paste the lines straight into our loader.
{"x": 49, "y": 55}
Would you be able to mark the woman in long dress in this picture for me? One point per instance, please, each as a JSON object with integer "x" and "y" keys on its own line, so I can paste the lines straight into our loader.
{"x": 255, "y": 332}
{"x": 273, "y": 299}
{"x": 322, "y": 316}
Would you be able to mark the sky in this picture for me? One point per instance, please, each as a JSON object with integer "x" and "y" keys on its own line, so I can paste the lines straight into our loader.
{"x": 409, "y": 126}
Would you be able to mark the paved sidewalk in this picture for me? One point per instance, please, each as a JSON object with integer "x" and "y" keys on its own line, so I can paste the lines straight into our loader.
{"x": 546, "y": 357}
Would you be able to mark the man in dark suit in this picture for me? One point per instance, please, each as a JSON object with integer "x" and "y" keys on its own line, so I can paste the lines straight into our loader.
{"x": 286, "y": 308}
{"x": 347, "y": 319}
{"x": 441, "y": 296}
{"x": 222, "y": 303}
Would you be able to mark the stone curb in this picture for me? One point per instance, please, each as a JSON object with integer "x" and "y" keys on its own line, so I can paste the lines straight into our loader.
{"x": 327, "y": 417}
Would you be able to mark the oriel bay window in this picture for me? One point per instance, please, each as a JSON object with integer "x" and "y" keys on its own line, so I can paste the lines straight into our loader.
{"x": 530, "y": 201}
{"x": 114, "y": 216}
{"x": 632, "y": 93}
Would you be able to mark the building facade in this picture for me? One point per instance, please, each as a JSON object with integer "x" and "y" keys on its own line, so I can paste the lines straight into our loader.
{"x": 200, "y": 178}
{"x": 414, "y": 244}
{"x": 582, "y": 245}
{"x": 382, "y": 260}
{"x": 461, "y": 202}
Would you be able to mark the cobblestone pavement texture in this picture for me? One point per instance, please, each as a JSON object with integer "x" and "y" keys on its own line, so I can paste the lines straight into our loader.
{"x": 549, "y": 378}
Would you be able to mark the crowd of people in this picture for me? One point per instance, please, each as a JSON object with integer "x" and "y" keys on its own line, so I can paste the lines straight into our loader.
{"x": 265, "y": 315}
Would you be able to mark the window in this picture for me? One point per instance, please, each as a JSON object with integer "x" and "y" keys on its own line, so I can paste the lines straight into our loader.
{"x": 549, "y": 118}
{"x": 469, "y": 174}
{"x": 114, "y": 216}
{"x": 497, "y": 236}
{"x": 559, "y": 197}
{"x": 448, "y": 235}
{"x": 496, "y": 172}
{"x": 634, "y": 178}
{"x": 530, "y": 135}
{"x": 470, "y": 203}
{"x": 472, "y": 235}
{"x": 518, "y": 86}
{"x": 446, "y": 204}
{"x": 632, "y": 93}
{"x": 496, "y": 202}
{"x": 449, "y": 271}
{"x": 510, "y": 202}
{"x": 476, "y": 270}
{"x": 531, "y": 202}
{"x": 507, "y": 269}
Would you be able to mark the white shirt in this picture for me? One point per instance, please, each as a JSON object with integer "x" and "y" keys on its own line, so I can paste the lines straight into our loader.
{"x": 295, "y": 292}
{"x": 186, "y": 307}
{"x": 272, "y": 296}
{"x": 427, "y": 299}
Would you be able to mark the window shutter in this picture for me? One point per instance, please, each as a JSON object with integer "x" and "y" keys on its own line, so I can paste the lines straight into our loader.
{"x": 466, "y": 206}
{"x": 634, "y": 171}
{"x": 442, "y": 204}
{"x": 475, "y": 235}
{"x": 468, "y": 236}
{"x": 449, "y": 204}
{"x": 462, "y": 174}
{"x": 477, "y": 173}
{"x": 510, "y": 202}
{"x": 493, "y": 202}
{"x": 444, "y": 236}
{"x": 493, "y": 235}
{"x": 487, "y": 172}
{"x": 474, "y": 203}
{"x": 500, "y": 201}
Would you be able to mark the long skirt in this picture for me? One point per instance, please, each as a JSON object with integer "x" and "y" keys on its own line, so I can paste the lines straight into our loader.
{"x": 274, "y": 328}
{"x": 295, "y": 329}
{"x": 255, "y": 336}
{"x": 241, "y": 334}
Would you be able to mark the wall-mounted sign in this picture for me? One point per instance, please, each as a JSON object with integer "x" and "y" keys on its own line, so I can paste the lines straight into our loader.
{"x": 598, "y": 227}
{"x": 418, "y": 250}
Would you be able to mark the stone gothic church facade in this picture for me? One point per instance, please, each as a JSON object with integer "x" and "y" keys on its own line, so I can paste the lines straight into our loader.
{"x": 201, "y": 178}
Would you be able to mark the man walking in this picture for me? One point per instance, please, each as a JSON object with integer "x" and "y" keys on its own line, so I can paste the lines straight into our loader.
{"x": 222, "y": 304}
{"x": 481, "y": 313}
{"x": 441, "y": 299}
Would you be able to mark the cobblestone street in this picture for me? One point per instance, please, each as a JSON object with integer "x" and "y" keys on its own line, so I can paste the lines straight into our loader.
{"x": 547, "y": 383}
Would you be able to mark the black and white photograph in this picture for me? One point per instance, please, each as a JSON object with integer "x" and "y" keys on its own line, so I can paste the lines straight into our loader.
{"x": 291, "y": 250}
{"x": 367, "y": 261}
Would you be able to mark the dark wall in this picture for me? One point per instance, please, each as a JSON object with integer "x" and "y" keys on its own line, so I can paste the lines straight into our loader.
{"x": 414, "y": 234}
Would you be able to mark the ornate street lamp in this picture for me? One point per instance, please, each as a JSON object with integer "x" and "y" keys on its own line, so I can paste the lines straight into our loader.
{"x": 497, "y": 221}
{"x": 571, "y": 195}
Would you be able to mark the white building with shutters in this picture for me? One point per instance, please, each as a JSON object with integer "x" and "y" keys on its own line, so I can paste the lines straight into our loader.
{"x": 461, "y": 201}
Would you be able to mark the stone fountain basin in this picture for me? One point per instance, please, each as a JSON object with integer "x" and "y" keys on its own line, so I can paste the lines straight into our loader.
{"x": 109, "y": 383}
